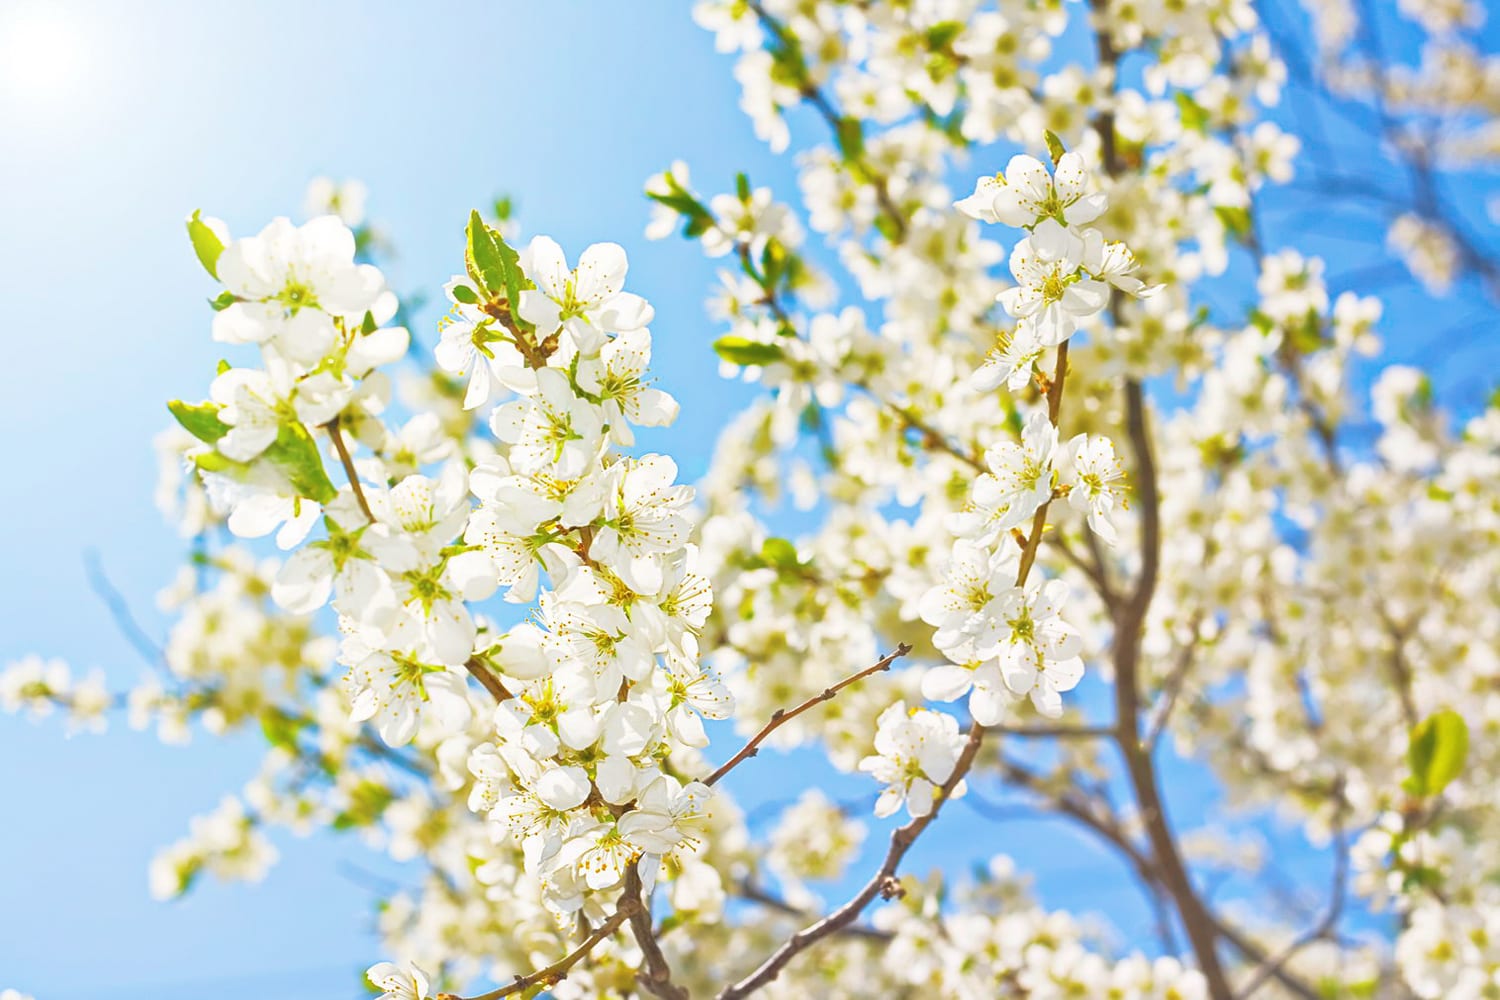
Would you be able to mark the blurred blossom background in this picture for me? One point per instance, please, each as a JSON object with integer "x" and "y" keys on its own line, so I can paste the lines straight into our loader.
{"x": 119, "y": 119}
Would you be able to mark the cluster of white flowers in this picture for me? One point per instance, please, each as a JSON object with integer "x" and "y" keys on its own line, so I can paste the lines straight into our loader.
{"x": 37, "y": 687}
{"x": 590, "y": 699}
{"x": 225, "y": 843}
{"x": 1003, "y": 632}
{"x": 515, "y": 695}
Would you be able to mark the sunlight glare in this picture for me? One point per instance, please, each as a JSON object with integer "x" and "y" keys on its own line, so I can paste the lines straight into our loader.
{"x": 40, "y": 55}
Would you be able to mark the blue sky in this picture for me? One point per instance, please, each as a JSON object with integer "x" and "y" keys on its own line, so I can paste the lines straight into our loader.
{"x": 157, "y": 111}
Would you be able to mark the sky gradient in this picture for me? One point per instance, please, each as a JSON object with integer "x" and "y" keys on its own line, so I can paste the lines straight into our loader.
{"x": 147, "y": 112}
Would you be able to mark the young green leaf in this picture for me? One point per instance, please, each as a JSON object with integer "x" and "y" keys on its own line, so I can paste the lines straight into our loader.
{"x": 743, "y": 351}
{"x": 1439, "y": 744}
{"x": 1235, "y": 219}
{"x": 779, "y": 553}
{"x": 201, "y": 420}
{"x": 296, "y": 454}
{"x": 851, "y": 135}
{"x": 494, "y": 265}
{"x": 206, "y": 243}
{"x": 1055, "y": 148}
{"x": 485, "y": 259}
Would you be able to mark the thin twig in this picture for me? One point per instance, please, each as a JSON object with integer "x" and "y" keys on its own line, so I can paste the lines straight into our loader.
{"x": 782, "y": 716}
{"x": 1093, "y": 570}
{"x": 748, "y": 890}
{"x": 558, "y": 971}
{"x": 883, "y": 884}
{"x": 933, "y": 438}
{"x": 119, "y": 609}
{"x": 1171, "y": 690}
{"x": 831, "y": 114}
{"x": 348, "y": 462}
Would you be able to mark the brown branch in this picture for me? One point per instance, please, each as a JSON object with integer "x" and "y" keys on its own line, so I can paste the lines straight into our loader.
{"x": 748, "y": 890}
{"x": 1094, "y": 569}
{"x": 934, "y": 438}
{"x": 1129, "y": 626}
{"x": 332, "y": 427}
{"x": 811, "y": 93}
{"x": 656, "y": 977}
{"x": 1100, "y": 819}
{"x": 1130, "y": 621}
{"x": 1039, "y": 522}
{"x": 883, "y": 884}
{"x": 487, "y": 677}
{"x": 782, "y": 716}
{"x": 558, "y": 971}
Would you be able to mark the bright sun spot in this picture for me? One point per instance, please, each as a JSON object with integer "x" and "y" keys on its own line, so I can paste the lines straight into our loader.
{"x": 40, "y": 55}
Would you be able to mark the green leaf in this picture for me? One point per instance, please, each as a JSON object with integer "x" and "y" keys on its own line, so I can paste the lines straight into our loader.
{"x": 851, "y": 138}
{"x": 296, "y": 454}
{"x": 742, "y": 187}
{"x": 780, "y": 553}
{"x": 495, "y": 266}
{"x": 743, "y": 351}
{"x": 1439, "y": 744}
{"x": 1235, "y": 219}
{"x": 206, "y": 244}
{"x": 223, "y": 300}
{"x": 201, "y": 420}
{"x": 212, "y": 461}
{"x": 223, "y": 367}
{"x": 367, "y": 802}
{"x": 466, "y": 295}
{"x": 942, "y": 34}
{"x": 280, "y": 729}
{"x": 1194, "y": 116}
{"x": 485, "y": 259}
{"x": 1055, "y": 148}
{"x": 773, "y": 264}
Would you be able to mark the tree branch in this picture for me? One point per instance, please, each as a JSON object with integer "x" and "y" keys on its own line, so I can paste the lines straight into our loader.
{"x": 782, "y": 716}
{"x": 487, "y": 677}
{"x": 332, "y": 427}
{"x": 558, "y": 971}
{"x": 656, "y": 977}
{"x": 882, "y": 884}
{"x": 748, "y": 890}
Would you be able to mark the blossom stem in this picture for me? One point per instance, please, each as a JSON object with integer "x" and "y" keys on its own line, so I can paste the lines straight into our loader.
{"x": 348, "y": 462}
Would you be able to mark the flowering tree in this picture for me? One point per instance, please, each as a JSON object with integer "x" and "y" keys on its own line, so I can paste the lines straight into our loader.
{"x": 1031, "y": 446}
